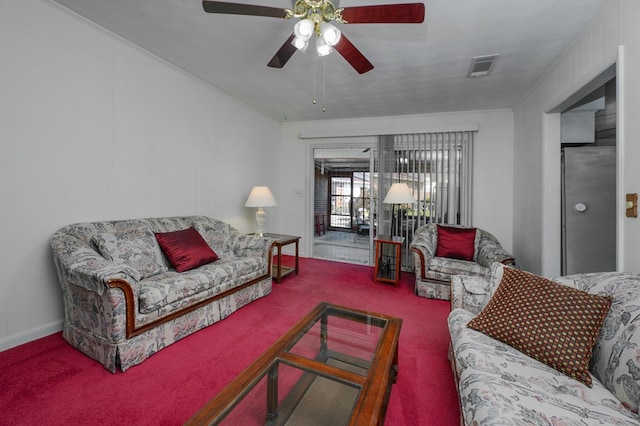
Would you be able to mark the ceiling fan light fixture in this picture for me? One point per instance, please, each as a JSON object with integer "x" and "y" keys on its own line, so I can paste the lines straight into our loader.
{"x": 330, "y": 34}
{"x": 304, "y": 29}
{"x": 313, "y": 18}
{"x": 300, "y": 44}
{"x": 322, "y": 48}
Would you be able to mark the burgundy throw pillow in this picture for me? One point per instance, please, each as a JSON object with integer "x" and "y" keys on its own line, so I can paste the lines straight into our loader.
{"x": 456, "y": 243}
{"x": 186, "y": 249}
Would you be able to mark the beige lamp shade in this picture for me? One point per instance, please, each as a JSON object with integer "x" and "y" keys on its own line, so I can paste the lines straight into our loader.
{"x": 260, "y": 196}
{"x": 399, "y": 193}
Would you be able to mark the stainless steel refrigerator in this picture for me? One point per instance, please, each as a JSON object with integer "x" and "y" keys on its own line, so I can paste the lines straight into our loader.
{"x": 588, "y": 209}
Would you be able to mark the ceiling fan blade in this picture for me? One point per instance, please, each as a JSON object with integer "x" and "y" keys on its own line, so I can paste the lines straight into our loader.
{"x": 285, "y": 53}
{"x": 353, "y": 55}
{"x": 407, "y": 13}
{"x": 242, "y": 9}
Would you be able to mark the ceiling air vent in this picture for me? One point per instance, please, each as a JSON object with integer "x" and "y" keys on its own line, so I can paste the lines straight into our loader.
{"x": 481, "y": 66}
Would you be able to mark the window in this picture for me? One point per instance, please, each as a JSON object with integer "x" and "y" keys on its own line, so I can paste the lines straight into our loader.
{"x": 361, "y": 197}
{"x": 340, "y": 202}
{"x": 350, "y": 199}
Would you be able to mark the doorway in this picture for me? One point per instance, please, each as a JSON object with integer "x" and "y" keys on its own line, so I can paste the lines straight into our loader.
{"x": 344, "y": 204}
{"x": 588, "y": 209}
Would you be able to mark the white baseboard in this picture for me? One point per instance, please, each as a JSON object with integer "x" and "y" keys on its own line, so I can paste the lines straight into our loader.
{"x": 30, "y": 335}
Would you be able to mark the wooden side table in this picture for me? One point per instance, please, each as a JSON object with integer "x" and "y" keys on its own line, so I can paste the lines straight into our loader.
{"x": 277, "y": 270}
{"x": 388, "y": 258}
{"x": 320, "y": 224}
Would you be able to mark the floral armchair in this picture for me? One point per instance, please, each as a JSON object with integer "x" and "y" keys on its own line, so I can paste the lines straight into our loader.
{"x": 433, "y": 273}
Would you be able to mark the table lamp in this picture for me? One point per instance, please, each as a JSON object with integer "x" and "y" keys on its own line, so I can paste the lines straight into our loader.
{"x": 399, "y": 193}
{"x": 260, "y": 197}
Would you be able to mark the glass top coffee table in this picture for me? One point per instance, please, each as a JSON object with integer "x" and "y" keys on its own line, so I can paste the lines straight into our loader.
{"x": 334, "y": 367}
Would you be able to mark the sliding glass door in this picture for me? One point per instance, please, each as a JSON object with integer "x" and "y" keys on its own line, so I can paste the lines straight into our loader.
{"x": 343, "y": 191}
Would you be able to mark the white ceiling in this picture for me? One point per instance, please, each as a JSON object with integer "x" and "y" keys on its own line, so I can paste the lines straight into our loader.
{"x": 419, "y": 68}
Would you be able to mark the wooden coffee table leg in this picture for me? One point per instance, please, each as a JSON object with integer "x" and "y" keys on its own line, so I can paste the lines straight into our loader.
{"x": 324, "y": 336}
{"x": 394, "y": 366}
{"x": 272, "y": 393}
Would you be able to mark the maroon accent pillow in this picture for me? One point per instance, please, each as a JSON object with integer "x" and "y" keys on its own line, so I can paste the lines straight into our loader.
{"x": 456, "y": 243}
{"x": 186, "y": 249}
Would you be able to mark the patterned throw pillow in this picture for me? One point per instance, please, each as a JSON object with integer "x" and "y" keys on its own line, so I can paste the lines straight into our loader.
{"x": 217, "y": 235}
{"x": 186, "y": 249}
{"x": 456, "y": 243}
{"x": 136, "y": 247}
{"x": 553, "y": 323}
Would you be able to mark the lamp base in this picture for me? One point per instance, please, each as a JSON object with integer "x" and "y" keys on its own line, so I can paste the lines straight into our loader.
{"x": 261, "y": 217}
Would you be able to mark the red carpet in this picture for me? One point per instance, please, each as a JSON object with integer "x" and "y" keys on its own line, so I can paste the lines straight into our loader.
{"x": 49, "y": 382}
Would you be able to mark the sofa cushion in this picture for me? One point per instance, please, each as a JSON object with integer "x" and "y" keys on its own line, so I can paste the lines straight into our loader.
{"x": 556, "y": 324}
{"x": 133, "y": 246}
{"x": 214, "y": 278}
{"x": 500, "y": 385}
{"x": 445, "y": 265}
{"x": 456, "y": 243}
{"x": 185, "y": 249}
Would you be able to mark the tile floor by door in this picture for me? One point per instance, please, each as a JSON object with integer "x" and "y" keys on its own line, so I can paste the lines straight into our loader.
{"x": 343, "y": 247}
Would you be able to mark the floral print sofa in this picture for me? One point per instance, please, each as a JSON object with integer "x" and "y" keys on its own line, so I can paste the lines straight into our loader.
{"x": 120, "y": 315}
{"x": 498, "y": 385}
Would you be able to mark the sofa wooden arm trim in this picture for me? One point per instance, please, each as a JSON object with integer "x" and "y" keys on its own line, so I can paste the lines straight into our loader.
{"x": 422, "y": 261}
{"x": 456, "y": 379}
{"x": 133, "y": 331}
{"x": 131, "y": 328}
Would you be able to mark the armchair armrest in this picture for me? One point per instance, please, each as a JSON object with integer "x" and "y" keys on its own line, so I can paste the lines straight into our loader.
{"x": 423, "y": 241}
{"x": 490, "y": 251}
{"x": 423, "y": 249}
{"x": 421, "y": 257}
{"x": 470, "y": 292}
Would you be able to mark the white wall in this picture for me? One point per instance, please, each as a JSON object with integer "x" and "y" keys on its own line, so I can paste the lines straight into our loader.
{"x": 92, "y": 128}
{"x": 493, "y": 165}
{"x": 537, "y": 140}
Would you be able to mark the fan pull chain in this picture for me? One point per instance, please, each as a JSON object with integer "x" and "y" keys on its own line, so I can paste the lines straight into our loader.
{"x": 314, "y": 83}
{"x": 324, "y": 86}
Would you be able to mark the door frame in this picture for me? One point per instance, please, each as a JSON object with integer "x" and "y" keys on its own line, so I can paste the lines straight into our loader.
{"x": 551, "y": 244}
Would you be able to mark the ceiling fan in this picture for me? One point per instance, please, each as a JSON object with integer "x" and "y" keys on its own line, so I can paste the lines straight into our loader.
{"x": 314, "y": 17}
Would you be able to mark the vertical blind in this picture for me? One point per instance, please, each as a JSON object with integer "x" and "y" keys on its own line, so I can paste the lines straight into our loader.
{"x": 438, "y": 168}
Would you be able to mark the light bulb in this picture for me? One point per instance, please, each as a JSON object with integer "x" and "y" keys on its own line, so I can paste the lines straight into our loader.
{"x": 303, "y": 29}
{"x": 300, "y": 44}
{"x": 322, "y": 48}
{"x": 330, "y": 34}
